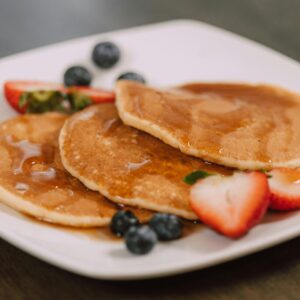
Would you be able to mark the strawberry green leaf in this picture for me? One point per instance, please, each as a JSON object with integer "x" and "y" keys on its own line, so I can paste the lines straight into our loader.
{"x": 79, "y": 101}
{"x": 23, "y": 100}
{"x": 195, "y": 176}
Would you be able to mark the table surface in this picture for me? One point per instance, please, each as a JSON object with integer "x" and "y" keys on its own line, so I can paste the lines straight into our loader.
{"x": 270, "y": 274}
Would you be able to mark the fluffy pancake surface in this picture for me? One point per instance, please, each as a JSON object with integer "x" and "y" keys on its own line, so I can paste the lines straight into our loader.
{"x": 126, "y": 165}
{"x": 33, "y": 180}
{"x": 236, "y": 125}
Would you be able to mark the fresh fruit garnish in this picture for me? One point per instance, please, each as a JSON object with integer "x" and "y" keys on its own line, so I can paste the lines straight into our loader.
{"x": 43, "y": 101}
{"x": 105, "y": 55}
{"x": 79, "y": 101}
{"x": 195, "y": 176}
{"x": 77, "y": 76}
{"x": 132, "y": 76}
{"x": 231, "y": 205}
{"x": 284, "y": 186}
{"x": 39, "y": 97}
{"x": 14, "y": 89}
{"x": 167, "y": 226}
{"x": 122, "y": 221}
{"x": 96, "y": 95}
{"x": 140, "y": 239}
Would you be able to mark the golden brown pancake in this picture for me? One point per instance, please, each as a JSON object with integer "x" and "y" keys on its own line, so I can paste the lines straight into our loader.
{"x": 235, "y": 125}
{"x": 127, "y": 165}
{"x": 33, "y": 180}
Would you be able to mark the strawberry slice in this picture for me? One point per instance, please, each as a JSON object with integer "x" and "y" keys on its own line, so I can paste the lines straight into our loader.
{"x": 231, "y": 204}
{"x": 14, "y": 89}
{"x": 285, "y": 189}
{"x": 95, "y": 94}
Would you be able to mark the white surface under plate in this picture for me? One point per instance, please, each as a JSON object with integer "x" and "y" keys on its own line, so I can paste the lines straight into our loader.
{"x": 166, "y": 54}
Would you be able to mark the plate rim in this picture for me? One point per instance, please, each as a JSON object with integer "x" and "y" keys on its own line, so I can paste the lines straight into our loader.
{"x": 59, "y": 261}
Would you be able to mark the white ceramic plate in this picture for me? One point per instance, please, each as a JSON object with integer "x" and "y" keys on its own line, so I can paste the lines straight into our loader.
{"x": 167, "y": 54}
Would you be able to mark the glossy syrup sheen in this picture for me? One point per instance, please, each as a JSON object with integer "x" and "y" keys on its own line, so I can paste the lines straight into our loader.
{"x": 30, "y": 168}
{"x": 238, "y": 125}
{"x": 91, "y": 233}
{"x": 105, "y": 233}
{"x": 126, "y": 163}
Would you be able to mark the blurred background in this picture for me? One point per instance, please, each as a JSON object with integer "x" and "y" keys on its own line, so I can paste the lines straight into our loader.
{"x": 25, "y": 24}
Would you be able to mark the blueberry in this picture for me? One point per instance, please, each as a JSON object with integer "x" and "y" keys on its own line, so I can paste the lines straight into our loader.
{"x": 167, "y": 227}
{"x": 105, "y": 55}
{"x": 77, "y": 75}
{"x": 140, "y": 239}
{"x": 132, "y": 76}
{"x": 122, "y": 221}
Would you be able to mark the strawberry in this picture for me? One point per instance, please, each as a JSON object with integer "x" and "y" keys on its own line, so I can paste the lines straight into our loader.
{"x": 285, "y": 189}
{"x": 14, "y": 89}
{"x": 95, "y": 94}
{"x": 32, "y": 101}
{"x": 231, "y": 204}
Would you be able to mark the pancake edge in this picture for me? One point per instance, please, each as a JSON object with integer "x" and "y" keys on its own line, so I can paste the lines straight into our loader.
{"x": 136, "y": 202}
{"x": 43, "y": 214}
{"x": 163, "y": 135}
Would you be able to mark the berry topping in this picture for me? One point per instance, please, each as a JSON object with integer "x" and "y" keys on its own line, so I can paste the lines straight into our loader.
{"x": 132, "y": 76}
{"x": 77, "y": 75}
{"x": 284, "y": 186}
{"x": 167, "y": 227}
{"x": 231, "y": 204}
{"x": 122, "y": 221}
{"x": 78, "y": 101}
{"x": 105, "y": 55}
{"x": 14, "y": 90}
{"x": 44, "y": 101}
{"x": 39, "y": 97}
{"x": 140, "y": 239}
{"x": 96, "y": 95}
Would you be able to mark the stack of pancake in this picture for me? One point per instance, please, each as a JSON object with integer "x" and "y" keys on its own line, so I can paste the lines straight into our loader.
{"x": 80, "y": 170}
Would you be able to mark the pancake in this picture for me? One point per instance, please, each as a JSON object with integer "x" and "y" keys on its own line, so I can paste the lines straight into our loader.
{"x": 33, "y": 180}
{"x": 236, "y": 125}
{"x": 127, "y": 165}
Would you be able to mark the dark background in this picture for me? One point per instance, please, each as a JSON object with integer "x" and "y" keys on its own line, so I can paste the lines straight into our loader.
{"x": 25, "y": 24}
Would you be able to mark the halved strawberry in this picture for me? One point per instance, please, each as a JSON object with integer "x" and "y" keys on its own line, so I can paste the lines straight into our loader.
{"x": 95, "y": 94}
{"x": 14, "y": 89}
{"x": 231, "y": 204}
{"x": 284, "y": 185}
{"x": 83, "y": 96}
